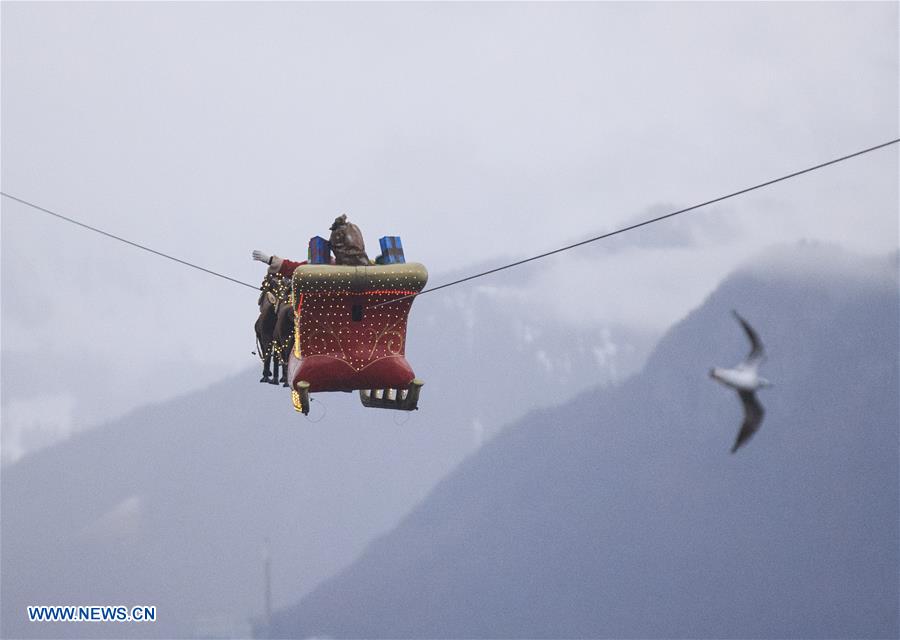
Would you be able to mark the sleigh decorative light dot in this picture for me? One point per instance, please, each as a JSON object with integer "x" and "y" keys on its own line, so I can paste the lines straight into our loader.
{"x": 346, "y": 340}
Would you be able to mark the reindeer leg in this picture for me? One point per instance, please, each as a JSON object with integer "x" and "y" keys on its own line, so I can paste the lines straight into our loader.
{"x": 275, "y": 363}
{"x": 267, "y": 357}
{"x": 284, "y": 377}
{"x": 267, "y": 372}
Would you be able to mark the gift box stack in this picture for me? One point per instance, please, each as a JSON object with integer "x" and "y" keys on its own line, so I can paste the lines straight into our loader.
{"x": 319, "y": 250}
{"x": 391, "y": 250}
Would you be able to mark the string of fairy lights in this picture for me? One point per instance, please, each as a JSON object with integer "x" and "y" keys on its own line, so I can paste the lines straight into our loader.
{"x": 481, "y": 274}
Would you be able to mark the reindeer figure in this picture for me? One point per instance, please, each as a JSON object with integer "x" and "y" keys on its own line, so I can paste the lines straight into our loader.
{"x": 283, "y": 336}
{"x": 274, "y": 298}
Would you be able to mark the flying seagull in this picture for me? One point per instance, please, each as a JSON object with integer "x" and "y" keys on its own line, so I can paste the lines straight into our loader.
{"x": 745, "y": 380}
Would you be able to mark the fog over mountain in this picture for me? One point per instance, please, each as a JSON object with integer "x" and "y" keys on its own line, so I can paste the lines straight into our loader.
{"x": 172, "y": 504}
{"x": 616, "y": 513}
{"x": 142, "y": 463}
{"x": 621, "y": 513}
{"x": 476, "y": 131}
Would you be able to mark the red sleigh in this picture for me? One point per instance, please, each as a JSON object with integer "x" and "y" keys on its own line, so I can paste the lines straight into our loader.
{"x": 346, "y": 340}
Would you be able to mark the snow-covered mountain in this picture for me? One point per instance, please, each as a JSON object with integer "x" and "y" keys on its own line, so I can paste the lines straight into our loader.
{"x": 172, "y": 504}
{"x": 622, "y": 514}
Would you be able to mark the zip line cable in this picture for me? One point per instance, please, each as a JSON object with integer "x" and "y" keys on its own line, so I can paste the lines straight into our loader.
{"x": 641, "y": 224}
{"x": 495, "y": 269}
{"x": 133, "y": 244}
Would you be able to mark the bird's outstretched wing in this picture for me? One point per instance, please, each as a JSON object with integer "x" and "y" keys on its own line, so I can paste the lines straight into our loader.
{"x": 753, "y": 415}
{"x": 757, "y": 352}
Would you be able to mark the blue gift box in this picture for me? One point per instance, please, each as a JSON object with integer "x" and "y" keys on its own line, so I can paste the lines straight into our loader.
{"x": 391, "y": 250}
{"x": 319, "y": 251}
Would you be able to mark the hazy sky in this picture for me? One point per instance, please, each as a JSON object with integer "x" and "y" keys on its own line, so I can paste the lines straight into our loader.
{"x": 477, "y": 132}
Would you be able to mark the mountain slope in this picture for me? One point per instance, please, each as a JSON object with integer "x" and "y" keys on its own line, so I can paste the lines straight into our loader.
{"x": 172, "y": 504}
{"x": 622, "y": 514}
